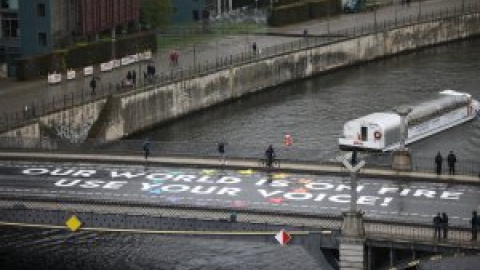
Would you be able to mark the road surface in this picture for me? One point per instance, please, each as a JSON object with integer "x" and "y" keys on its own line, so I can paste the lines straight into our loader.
{"x": 380, "y": 199}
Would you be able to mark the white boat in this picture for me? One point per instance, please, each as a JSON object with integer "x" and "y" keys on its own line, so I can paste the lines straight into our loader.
{"x": 381, "y": 131}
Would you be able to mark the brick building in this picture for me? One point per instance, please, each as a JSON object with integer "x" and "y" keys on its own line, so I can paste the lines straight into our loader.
{"x": 35, "y": 27}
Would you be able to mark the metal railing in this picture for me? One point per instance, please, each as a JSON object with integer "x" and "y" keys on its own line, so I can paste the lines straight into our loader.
{"x": 57, "y": 103}
{"x": 164, "y": 216}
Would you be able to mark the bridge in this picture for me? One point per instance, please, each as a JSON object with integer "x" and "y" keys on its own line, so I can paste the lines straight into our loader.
{"x": 110, "y": 187}
{"x": 201, "y": 197}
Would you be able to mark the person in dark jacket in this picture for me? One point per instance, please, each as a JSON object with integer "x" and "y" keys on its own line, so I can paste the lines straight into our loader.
{"x": 93, "y": 85}
{"x": 146, "y": 148}
{"x": 221, "y": 152}
{"x": 437, "y": 221}
{"x": 474, "y": 222}
{"x": 438, "y": 163}
{"x": 445, "y": 225}
{"x": 270, "y": 156}
{"x": 451, "y": 160}
{"x": 134, "y": 78}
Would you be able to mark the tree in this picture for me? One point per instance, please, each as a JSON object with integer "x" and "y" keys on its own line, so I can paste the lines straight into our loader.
{"x": 155, "y": 13}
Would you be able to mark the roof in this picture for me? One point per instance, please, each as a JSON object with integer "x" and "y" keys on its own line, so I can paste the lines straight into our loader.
{"x": 386, "y": 120}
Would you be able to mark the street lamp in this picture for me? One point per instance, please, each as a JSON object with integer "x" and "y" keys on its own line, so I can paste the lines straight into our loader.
{"x": 403, "y": 113}
{"x": 419, "y": 11}
{"x": 401, "y": 156}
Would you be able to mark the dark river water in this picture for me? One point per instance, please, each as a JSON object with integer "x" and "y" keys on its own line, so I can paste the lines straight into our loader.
{"x": 313, "y": 111}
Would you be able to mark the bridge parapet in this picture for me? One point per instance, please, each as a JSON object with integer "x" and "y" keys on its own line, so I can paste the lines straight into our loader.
{"x": 117, "y": 215}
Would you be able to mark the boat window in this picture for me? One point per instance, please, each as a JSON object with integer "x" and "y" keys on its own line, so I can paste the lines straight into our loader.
{"x": 364, "y": 133}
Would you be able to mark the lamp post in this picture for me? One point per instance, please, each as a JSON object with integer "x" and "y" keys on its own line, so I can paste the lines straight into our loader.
{"x": 401, "y": 156}
{"x": 113, "y": 43}
{"x": 395, "y": 4}
{"x": 403, "y": 113}
{"x": 419, "y": 11}
{"x": 353, "y": 219}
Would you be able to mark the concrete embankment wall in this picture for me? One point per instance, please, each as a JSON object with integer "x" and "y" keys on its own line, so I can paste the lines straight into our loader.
{"x": 146, "y": 109}
{"x": 134, "y": 112}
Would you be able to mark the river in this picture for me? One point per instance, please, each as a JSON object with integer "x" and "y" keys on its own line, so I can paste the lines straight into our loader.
{"x": 313, "y": 111}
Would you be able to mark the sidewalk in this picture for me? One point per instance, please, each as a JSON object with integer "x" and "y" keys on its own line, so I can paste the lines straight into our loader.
{"x": 236, "y": 164}
{"x": 15, "y": 95}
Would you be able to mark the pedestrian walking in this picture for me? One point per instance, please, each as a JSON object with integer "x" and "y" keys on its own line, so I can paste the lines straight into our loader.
{"x": 436, "y": 224}
{"x": 269, "y": 156}
{"x": 134, "y": 78}
{"x": 171, "y": 56}
{"x": 93, "y": 85}
{"x": 438, "y": 163}
{"x": 475, "y": 223}
{"x": 175, "y": 58}
{"x": 451, "y": 160}
{"x": 146, "y": 148}
{"x": 221, "y": 152}
{"x": 129, "y": 76}
{"x": 25, "y": 111}
{"x": 254, "y": 47}
{"x": 445, "y": 225}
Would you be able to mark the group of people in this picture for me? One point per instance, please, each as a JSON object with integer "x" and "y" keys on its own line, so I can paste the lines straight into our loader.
{"x": 440, "y": 223}
{"x": 451, "y": 160}
{"x": 130, "y": 79}
{"x": 173, "y": 56}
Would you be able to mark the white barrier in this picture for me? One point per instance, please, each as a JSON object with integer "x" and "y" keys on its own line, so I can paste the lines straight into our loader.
{"x": 116, "y": 63}
{"x": 71, "y": 74}
{"x": 147, "y": 55}
{"x": 127, "y": 60}
{"x": 87, "y": 71}
{"x": 54, "y": 78}
{"x": 106, "y": 66}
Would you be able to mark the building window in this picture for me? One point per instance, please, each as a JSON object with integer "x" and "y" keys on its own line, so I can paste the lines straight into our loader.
{"x": 42, "y": 39}
{"x": 9, "y": 25}
{"x": 5, "y": 4}
{"x": 41, "y": 10}
{"x": 9, "y": 4}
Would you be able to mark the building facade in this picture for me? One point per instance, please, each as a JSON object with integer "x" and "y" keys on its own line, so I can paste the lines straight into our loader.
{"x": 36, "y": 27}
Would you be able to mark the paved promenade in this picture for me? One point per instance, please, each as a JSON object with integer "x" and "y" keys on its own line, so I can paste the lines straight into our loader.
{"x": 15, "y": 95}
